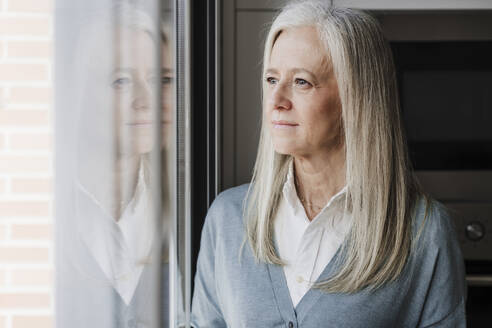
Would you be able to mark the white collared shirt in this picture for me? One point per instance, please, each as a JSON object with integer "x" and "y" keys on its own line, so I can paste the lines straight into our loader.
{"x": 307, "y": 246}
{"x": 121, "y": 248}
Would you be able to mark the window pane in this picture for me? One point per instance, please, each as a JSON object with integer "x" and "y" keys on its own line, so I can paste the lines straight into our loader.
{"x": 114, "y": 106}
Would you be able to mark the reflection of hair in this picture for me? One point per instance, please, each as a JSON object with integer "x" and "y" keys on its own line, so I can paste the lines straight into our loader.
{"x": 94, "y": 61}
{"x": 382, "y": 191}
{"x": 93, "y": 118}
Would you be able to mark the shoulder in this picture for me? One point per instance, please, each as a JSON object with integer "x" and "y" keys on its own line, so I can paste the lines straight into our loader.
{"x": 433, "y": 224}
{"x": 435, "y": 233}
{"x": 438, "y": 264}
{"x": 437, "y": 249}
{"x": 230, "y": 200}
{"x": 232, "y": 197}
{"x": 226, "y": 210}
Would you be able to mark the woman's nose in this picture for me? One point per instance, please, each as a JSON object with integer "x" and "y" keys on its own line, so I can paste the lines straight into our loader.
{"x": 141, "y": 96}
{"x": 280, "y": 98}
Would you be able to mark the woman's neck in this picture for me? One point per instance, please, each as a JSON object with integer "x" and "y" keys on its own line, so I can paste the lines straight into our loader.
{"x": 125, "y": 182}
{"x": 114, "y": 186}
{"x": 318, "y": 178}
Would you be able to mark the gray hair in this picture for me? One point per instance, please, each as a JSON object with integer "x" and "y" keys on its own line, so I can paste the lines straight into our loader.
{"x": 382, "y": 191}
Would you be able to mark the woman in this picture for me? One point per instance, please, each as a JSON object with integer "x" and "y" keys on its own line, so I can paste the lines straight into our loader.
{"x": 110, "y": 245}
{"x": 333, "y": 230}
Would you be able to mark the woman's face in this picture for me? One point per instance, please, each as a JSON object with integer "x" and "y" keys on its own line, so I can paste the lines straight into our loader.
{"x": 134, "y": 82}
{"x": 301, "y": 102}
{"x": 167, "y": 82}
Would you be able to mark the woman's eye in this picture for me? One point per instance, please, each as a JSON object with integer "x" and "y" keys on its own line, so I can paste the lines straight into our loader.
{"x": 163, "y": 80}
{"x": 302, "y": 82}
{"x": 121, "y": 82}
{"x": 166, "y": 80}
{"x": 270, "y": 80}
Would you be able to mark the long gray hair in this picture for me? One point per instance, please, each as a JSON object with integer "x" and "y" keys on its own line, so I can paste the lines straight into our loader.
{"x": 93, "y": 117}
{"x": 382, "y": 191}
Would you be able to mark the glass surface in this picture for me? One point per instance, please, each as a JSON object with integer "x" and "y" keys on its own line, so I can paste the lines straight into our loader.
{"x": 115, "y": 155}
{"x": 447, "y": 116}
{"x": 446, "y": 105}
{"x": 446, "y": 97}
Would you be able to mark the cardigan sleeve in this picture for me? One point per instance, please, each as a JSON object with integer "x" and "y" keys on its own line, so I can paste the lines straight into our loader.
{"x": 454, "y": 319}
{"x": 446, "y": 297}
{"x": 205, "y": 311}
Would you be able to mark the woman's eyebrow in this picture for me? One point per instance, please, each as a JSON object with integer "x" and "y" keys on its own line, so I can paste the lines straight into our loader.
{"x": 293, "y": 70}
{"x": 122, "y": 70}
{"x": 302, "y": 70}
{"x": 164, "y": 71}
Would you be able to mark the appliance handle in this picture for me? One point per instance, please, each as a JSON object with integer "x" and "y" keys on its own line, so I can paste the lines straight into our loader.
{"x": 479, "y": 280}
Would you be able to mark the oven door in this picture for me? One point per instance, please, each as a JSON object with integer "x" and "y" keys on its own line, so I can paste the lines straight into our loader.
{"x": 446, "y": 100}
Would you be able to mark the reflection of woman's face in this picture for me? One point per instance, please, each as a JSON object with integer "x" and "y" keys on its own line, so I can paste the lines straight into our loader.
{"x": 167, "y": 80}
{"x": 134, "y": 82}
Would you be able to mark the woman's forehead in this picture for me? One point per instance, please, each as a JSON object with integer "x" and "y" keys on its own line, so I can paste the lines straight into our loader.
{"x": 134, "y": 46}
{"x": 299, "y": 47}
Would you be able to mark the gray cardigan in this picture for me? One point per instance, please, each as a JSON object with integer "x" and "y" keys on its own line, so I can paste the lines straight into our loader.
{"x": 230, "y": 292}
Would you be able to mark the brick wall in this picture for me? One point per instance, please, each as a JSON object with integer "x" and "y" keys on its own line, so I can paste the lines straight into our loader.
{"x": 26, "y": 130}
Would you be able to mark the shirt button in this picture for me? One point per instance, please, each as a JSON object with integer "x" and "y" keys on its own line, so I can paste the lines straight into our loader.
{"x": 291, "y": 324}
{"x": 299, "y": 279}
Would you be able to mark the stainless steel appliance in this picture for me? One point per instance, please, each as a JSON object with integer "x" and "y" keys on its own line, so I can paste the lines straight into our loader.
{"x": 446, "y": 97}
{"x": 444, "y": 64}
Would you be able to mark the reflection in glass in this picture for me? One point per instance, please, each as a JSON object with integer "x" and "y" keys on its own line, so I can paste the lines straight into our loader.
{"x": 113, "y": 133}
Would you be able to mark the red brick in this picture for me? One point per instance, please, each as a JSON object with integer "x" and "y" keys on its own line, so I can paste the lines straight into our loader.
{"x": 24, "y": 208}
{"x": 31, "y": 95}
{"x": 23, "y": 164}
{"x": 3, "y": 185}
{"x": 2, "y": 283}
{"x": 24, "y": 72}
{"x": 25, "y": 26}
{"x": 31, "y": 185}
{"x": 38, "y": 277}
{"x": 32, "y": 321}
{"x": 23, "y": 255}
{"x": 44, "y": 6}
{"x": 11, "y": 300}
{"x": 31, "y": 232}
{"x": 29, "y": 49}
{"x": 30, "y": 141}
{"x": 21, "y": 118}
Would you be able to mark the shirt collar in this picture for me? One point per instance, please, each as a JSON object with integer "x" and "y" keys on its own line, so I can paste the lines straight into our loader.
{"x": 118, "y": 247}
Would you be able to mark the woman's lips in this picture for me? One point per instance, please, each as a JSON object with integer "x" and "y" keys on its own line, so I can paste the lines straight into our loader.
{"x": 140, "y": 123}
{"x": 145, "y": 123}
{"x": 284, "y": 124}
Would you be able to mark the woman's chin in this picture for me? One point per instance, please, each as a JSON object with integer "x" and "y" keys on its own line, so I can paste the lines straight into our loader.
{"x": 285, "y": 150}
{"x": 137, "y": 150}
